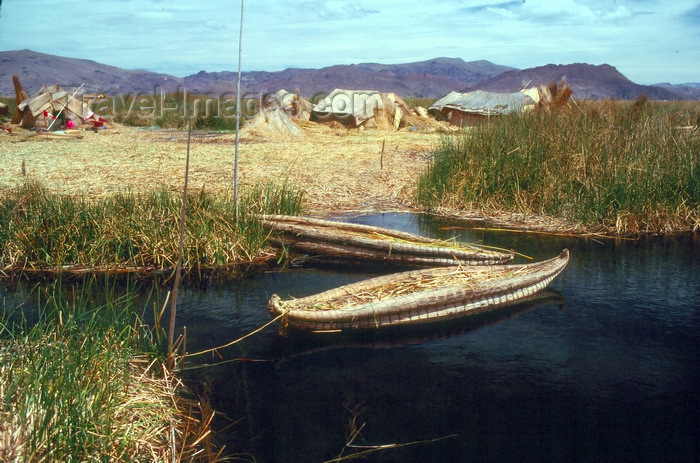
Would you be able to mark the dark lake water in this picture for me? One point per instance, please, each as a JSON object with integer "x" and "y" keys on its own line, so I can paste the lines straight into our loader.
{"x": 605, "y": 368}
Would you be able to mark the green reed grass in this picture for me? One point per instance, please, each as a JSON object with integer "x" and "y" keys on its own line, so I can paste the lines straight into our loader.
{"x": 413, "y": 101}
{"x": 631, "y": 167}
{"x": 74, "y": 384}
{"x": 39, "y": 229}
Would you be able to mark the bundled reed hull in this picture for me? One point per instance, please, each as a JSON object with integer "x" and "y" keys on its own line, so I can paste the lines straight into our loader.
{"x": 374, "y": 244}
{"x": 418, "y": 296}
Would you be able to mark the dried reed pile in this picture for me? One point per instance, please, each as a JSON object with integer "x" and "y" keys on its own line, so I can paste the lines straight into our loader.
{"x": 273, "y": 122}
{"x": 341, "y": 169}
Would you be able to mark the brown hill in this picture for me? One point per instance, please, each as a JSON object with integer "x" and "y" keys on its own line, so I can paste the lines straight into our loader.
{"x": 588, "y": 82}
{"x": 36, "y": 69}
{"x": 430, "y": 79}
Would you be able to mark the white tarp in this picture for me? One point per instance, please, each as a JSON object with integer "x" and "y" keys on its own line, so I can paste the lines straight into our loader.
{"x": 487, "y": 103}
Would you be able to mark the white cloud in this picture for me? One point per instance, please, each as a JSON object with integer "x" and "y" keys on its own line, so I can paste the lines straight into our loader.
{"x": 566, "y": 11}
{"x": 616, "y": 14}
{"x": 333, "y": 10}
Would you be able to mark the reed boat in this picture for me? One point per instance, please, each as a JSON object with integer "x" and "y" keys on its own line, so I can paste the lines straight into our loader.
{"x": 366, "y": 243}
{"x": 417, "y": 296}
{"x": 299, "y": 343}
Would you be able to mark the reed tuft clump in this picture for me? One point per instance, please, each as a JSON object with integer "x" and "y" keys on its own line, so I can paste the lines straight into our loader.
{"x": 86, "y": 382}
{"x": 626, "y": 167}
{"x": 127, "y": 231}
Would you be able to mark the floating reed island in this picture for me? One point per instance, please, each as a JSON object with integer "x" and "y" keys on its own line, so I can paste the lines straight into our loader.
{"x": 364, "y": 243}
{"x": 417, "y": 296}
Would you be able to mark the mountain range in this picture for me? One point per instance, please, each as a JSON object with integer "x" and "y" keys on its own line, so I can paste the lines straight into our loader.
{"x": 427, "y": 79}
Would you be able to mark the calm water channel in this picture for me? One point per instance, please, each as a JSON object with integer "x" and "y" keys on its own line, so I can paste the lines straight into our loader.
{"x": 605, "y": 368}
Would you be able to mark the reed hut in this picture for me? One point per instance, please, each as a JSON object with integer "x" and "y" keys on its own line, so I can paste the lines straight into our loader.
{"x": 473, "y": 108}
{"x": 49, "y": 102}
{"x": 361, "y": 108}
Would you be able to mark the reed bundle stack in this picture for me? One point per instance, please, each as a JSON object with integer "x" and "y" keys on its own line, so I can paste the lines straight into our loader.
{"x": 20, "y": 96}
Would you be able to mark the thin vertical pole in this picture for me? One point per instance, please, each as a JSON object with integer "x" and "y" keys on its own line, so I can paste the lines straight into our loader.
{"x": 238, "y": 114}
{"x": 64, "y": 106}
{"x": 178, "y": 267}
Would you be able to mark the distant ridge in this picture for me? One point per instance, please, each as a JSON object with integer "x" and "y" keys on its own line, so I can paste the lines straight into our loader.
{"x": 432, "y": 78}
{"x": 589, "y": 82}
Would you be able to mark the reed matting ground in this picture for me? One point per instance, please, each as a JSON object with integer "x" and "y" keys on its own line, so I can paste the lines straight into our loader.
{"x": 340, "y": 169}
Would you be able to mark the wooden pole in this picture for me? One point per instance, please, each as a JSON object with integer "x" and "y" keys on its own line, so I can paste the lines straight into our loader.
{"x": 178, "y": 267}
{"x": 381, "y": 160}
{"x": 238, "y": 115}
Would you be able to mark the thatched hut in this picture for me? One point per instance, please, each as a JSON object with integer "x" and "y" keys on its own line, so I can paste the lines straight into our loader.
{"x": 361, "y": 108}
{"x": 472, "y": 108}
{"x": 42, "y": 108}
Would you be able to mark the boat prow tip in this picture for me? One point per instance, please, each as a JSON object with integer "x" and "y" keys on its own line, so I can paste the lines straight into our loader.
{"x": 274, "y": 306}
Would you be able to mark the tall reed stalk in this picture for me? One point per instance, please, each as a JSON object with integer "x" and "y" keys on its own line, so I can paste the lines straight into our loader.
{"x": 630, "y": 167}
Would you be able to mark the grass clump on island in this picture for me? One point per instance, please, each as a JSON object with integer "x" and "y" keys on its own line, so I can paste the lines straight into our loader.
{"x": 43, "y": 231}
{"x": 620, "y": 167}
{"x": 86, "y": 382}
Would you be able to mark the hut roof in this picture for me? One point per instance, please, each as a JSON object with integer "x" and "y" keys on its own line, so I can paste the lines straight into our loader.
{"x": 486, "y": 103}
{"x": 296, "y": 106}
{"x": 53, "y": 99}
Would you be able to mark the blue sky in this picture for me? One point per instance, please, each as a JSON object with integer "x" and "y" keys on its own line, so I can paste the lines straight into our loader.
{"x": 649, "y": 41}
